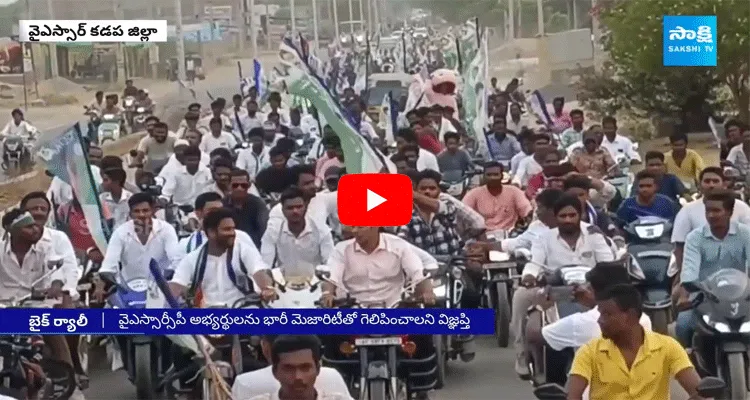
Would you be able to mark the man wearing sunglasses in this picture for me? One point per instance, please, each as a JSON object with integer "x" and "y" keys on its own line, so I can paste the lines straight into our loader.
{"x": 250, "y": 211}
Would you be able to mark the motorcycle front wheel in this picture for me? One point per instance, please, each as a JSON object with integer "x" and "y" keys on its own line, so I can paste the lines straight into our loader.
{"x": 142, "y": 371}
{"x": 61, "y": 379}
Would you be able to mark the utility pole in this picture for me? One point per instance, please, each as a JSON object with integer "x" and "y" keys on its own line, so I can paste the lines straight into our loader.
{"x": 575, "y": 15}
{"x": 240, "y": 19}
{"x": 253, "y": 29}
{"x": 292, "y": 15}
{"x": 120, "y": 52}
{"x": 362, "y": 14}
{"x": 52, "y": 46}
{"x": 376, "y": 12}
{"x": 336, "y": 19}
{"x": 181, "y": 75}
{"x": 540, "y": 17}
{"x": 315, "y": 25}
{"x": 351, "y": 17}
{"x": 511, "y": 19}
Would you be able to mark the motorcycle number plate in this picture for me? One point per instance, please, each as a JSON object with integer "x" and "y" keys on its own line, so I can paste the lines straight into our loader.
{"x": 381, "y": 341}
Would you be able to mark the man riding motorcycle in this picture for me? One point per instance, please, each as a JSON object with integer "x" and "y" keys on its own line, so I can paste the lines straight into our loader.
{"x": 18, "y": 127}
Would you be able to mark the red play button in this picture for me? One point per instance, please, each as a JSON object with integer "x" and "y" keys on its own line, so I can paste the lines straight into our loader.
{"x": 375, "y": 199}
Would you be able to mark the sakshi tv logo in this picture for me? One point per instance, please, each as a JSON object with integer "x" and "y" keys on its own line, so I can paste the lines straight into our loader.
{"x": 689, "y": 41}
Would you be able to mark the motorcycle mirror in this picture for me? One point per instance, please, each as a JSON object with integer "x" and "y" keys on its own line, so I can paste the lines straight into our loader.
{"x": 133, "y": 153}
{"x": 49, "y": 173}
{"x": 711, "y": 386}
{"x": 322, "y": 272}
{"x": 550, "y": 391}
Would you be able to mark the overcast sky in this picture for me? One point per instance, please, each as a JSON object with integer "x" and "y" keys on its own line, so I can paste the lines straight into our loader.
{"x": 6, "y": 2}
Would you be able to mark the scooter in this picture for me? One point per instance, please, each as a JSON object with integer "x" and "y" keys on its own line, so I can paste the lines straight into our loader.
{"x": 139, "y": 118}
{"x": 18, "y": 154}
{"x": 650, "y": 257}
{"x": 722, "y": 314}
{"x": 708, "y": 387}
{"x": 109, "y": 128}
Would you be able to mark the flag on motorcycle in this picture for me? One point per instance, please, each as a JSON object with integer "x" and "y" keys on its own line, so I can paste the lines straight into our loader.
{"x": 360, "y": 156}
{"x": 67, "y": 159}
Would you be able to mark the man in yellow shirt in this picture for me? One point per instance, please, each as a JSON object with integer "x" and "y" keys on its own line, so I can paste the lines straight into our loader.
{"x": 628, "y": 362}
{"x": 686, "y": 163}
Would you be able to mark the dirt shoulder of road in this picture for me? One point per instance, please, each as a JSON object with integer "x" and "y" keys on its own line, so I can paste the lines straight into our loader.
{"x": 12, "y": 193}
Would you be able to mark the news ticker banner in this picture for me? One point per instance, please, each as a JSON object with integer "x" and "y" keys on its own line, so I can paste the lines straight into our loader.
{"x": 41, "y": 321}
{"x": 92, "y": 31}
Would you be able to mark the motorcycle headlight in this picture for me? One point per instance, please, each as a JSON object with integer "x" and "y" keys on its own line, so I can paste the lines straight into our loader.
{"x": 12, "y": 146}
{"x": 457, "y": 273}
{"x": 140, "y": 109}
{"x": 722, "y": 327}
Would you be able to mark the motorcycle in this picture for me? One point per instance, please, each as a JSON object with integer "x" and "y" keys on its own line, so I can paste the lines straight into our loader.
{"x": 95, "y": 118}
{"x": 498, "y": 280}
{"x": 623, "y": 181}
{"x": 17, "y": 154}
{"x": 141, "y": 353}
{"x": 295, "y": 291}
{"x": 722, "y": 312}
{"x": 457, "y": 183}
{"x": 386, "y": 366}
{"x": 708, "y": 387}
{"x": 558, "y": 285}
{"x": 128, "y": 103}
{"x": 139, "y": 118}
{"x": 59, "y": 381}
{"x": 650, "y": 257}
{"x": 109, "y": 128}
{"x": 737, "y": 182}
{"x": 448, "y": 288}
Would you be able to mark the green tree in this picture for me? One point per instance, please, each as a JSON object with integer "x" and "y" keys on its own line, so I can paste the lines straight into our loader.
{"x": 633, "y": 38}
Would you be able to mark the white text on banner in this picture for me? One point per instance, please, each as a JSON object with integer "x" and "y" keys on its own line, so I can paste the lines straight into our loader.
{"x": 92, "y": 31}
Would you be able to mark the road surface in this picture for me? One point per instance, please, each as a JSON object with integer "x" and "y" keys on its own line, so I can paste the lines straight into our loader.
{"x": 490, "y": 373}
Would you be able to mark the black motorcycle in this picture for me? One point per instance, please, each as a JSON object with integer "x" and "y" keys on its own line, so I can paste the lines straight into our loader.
{"x": 722, "y": 314}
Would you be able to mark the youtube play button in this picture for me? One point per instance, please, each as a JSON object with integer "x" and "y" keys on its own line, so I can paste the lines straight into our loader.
{"x": 375, "y": 199}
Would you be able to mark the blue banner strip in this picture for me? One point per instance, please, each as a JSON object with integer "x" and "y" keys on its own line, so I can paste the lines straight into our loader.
{"x": 247, "y": 321}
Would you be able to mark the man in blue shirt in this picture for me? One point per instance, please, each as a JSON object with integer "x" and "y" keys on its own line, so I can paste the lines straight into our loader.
{"x": 647, "y": 201}
{"x": 502, "y": 145}
{"x": 669, "y": 185}
{"x": 722, "y": 243}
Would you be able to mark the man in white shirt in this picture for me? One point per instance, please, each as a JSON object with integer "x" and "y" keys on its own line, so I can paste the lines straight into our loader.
{"x": 25, "y": 258}
{"x": 571, "y": 242}
{"x": 175, "y": 161}
{"x": 532, "y": 165}
{"x": 217, "y": 111}
{"x": 252, "y": 158}
{"x": 249, "y": 119}
{"x": 301, "y": 244}
{"x": 17, "y": 126}
{"x": 426, "y": 160}
{"x": 221, "y": 271}
{"x": 135, "y": 243}
{"x": 262, "y": 381}
{"x": 297, "y": 369}
{"x": 321, "y": 207}
{"x": 115, "y": 196}
{"x": 191, "y": 180}
{"x": 58, "y": 243}
{"x": 218, "y": 138}
{"x": 617, "y": 144}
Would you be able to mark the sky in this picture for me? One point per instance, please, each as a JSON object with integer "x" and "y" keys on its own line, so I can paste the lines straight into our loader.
{"x": 6, "y": 2}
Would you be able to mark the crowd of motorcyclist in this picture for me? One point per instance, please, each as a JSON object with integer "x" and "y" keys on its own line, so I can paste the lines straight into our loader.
{"x": 239, "y": 190}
